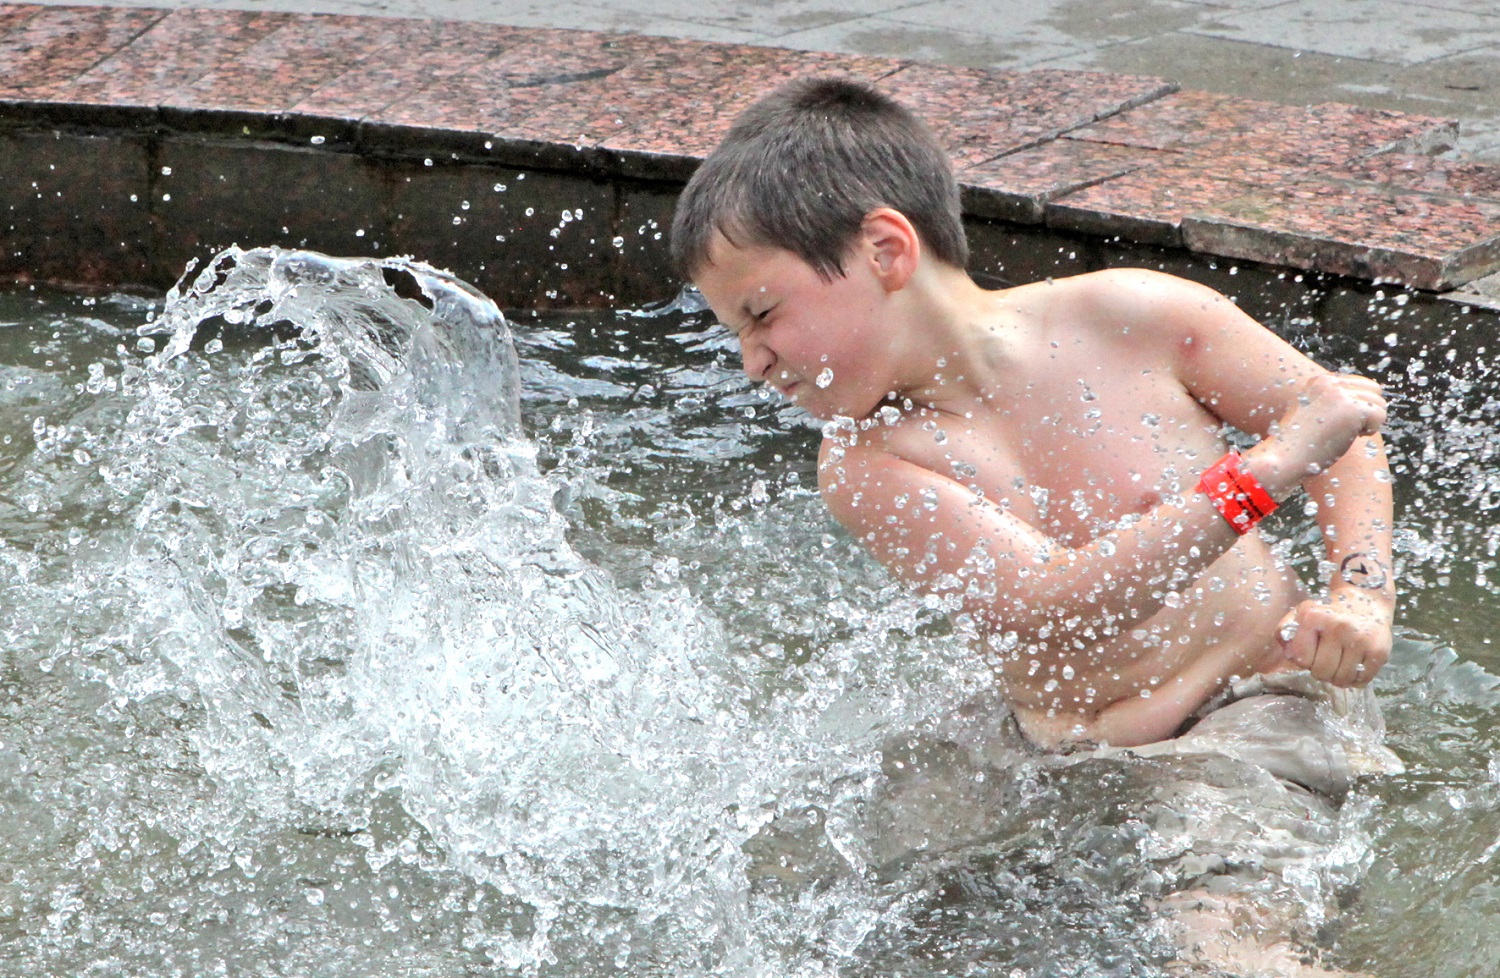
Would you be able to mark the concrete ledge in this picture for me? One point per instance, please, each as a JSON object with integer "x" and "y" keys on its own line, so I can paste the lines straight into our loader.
{"x": 134, "y": 138}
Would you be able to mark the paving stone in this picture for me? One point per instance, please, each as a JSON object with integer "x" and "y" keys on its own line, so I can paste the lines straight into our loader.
{"x": 1017, "y": 186}
{"x": 1146, "y": 204}
{"x": 541, "y": 68}
{"x": 679, "y": 117}
{"x": 1318, "y": 136}
{"x": 282, "y": 69}
{"x": 981, "y": 114}
{"x": 56, "y": 44}
{"x": 1362, "y": 230}
{"x": 1437, "y": 175}
{"x": 1371, "y": 30}
{"x": 428, "y": 52}
{"x": 12, "y": 16}
{"x": 176, "y": 51}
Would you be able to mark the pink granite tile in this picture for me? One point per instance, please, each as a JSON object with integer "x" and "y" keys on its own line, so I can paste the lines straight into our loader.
{"x": 596, "y": 110}
{"x": 1318, "y": 136}
{"x": 56, "y": 44}
{"x": 12, "y": 16}
{"x": 1436, "y": 175}
{"x": 286, "y": 66}
{"x": 178, "y": 50}
{"x": 545, "y": 67}
{"x": 981, "y": 113}
{"x": 682, "y": 111}
{"x": 1015, "y": 187}
{"x": 1322, "y": 136}
{"x": 1364, "y": 230}
{"x": 1146, "y": 204}
{"x": 430, "y": 52}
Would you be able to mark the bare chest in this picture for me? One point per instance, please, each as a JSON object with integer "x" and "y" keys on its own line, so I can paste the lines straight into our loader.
{"x": 1075, "y": 446}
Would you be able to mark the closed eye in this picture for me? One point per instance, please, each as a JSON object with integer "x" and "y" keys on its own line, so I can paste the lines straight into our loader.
{"x": 753, "y": 319}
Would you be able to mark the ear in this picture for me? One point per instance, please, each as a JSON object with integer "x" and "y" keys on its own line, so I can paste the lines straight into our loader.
{"x": 892, "y": 246}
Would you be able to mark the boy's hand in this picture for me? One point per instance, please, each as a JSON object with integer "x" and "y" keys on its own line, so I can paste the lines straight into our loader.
{"x": 1344, "y": 640}
{"x": 1332, "y": 410}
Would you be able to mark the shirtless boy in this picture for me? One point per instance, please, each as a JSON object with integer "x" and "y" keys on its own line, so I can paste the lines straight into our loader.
{"x": 1037, "y": 455}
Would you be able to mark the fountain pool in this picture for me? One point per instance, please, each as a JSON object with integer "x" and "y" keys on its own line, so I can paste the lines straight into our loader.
{"x": 408, "y": 641}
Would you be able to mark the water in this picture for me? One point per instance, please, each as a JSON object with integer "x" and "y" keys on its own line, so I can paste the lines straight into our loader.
{"x": 406, "y": 641}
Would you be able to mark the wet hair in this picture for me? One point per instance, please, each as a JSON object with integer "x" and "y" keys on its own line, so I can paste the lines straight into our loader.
{"x": 801, "y": 168}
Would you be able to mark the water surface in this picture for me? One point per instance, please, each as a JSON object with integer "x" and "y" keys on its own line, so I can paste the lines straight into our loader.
{"x": 342, "y": 638}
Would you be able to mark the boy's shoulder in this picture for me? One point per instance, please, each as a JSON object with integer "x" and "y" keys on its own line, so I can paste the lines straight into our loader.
{"x": 1130, "y": 311}
{"x": 1118, "y": 291}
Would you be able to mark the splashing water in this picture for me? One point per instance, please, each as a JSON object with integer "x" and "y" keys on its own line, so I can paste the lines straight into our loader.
{"x": 320, "y": 658}
{"x": 305, "y": 549}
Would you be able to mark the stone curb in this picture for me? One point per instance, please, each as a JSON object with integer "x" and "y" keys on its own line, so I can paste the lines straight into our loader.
{"x": 1328, "y": 188}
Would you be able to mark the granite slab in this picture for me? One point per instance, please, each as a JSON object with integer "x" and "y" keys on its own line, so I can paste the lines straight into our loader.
{"x": 52, "y": 46}
{"x": 1335, "y": 188}
{"x": 1369, "y": 231}
{"x": 175, "y": 52}
{"x": 1017, "y": 186}
{"x": 1319, "y": 136}
{"x": 981, "y": 114}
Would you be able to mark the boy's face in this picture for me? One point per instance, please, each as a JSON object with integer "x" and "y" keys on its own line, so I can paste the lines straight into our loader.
{"x": 809, "y": 338}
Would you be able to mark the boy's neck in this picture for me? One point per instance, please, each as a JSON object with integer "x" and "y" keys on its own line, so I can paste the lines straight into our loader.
{"x": 956, "y": 333}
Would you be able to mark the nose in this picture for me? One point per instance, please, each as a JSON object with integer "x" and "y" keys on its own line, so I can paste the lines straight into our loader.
{"x": 757, "y": 358}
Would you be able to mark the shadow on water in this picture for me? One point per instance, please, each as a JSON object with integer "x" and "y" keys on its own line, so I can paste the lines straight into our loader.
{"x": 349, "y": 628}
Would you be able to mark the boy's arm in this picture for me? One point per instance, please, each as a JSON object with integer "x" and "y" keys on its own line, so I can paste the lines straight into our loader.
{"x": 939, "y": 536}
{"x": 1245, "y": 374}
{"x": 1347, "y": 638}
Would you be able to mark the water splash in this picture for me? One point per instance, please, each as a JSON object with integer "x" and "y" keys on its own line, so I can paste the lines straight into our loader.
{"x": 320, "y": 545}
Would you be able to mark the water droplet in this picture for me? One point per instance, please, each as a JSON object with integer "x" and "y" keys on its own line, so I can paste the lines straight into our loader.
{"x": 825, "y": 377}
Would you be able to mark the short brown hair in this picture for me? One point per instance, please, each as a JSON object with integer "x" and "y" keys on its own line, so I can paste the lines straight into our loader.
{"x": 801, "y": 168}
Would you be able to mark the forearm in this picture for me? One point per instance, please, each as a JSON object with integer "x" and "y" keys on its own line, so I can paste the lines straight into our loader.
{"x": 1354, "y": 510}
{"x": 1123, "y": 578}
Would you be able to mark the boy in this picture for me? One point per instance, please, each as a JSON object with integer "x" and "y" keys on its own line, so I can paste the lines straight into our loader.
{"x": 1051, "y": 461}
{"x": 1050, "y": 457}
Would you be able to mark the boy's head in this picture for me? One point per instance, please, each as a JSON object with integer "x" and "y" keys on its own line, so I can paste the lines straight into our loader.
{"x": 801, "y": 168}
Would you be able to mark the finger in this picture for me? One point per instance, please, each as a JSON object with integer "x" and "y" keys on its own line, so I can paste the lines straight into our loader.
{"x": 1374, "y": 659}
{"x": 1299, "y": 638}
{"x": 1350, "y": 665}
{"x": 1324, "y": 654}
{"x": 1325, "y": 659}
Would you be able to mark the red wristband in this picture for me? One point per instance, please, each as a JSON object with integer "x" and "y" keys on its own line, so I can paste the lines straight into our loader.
{"x": 1236, "y": 494}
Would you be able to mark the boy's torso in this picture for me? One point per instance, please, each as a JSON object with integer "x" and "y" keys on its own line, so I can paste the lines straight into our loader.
{"x": 1079, "y": 427}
